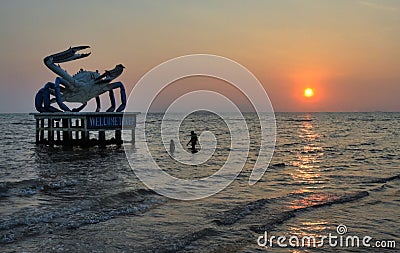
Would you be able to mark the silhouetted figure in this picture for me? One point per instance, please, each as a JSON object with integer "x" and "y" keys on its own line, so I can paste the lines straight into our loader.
{"x": 193, "y": 141}
{"x": 171, "y": 147}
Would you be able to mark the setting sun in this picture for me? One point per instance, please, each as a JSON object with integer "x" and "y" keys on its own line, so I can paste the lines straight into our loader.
{"x": 308, "y": 92}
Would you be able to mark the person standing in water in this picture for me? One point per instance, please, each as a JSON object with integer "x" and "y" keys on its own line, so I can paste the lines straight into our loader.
{"x": 193, "y": 141}
{"x": 172, "y": 147}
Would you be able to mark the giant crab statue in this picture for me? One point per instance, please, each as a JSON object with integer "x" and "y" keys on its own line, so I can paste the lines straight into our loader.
{"x": 80, "y": 87}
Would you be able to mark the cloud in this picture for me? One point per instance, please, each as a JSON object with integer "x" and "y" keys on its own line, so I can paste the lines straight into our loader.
{"x": 378, "y": 6}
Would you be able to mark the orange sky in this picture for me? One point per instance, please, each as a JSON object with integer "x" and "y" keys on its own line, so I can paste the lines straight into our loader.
{"x": 348, "y": 51}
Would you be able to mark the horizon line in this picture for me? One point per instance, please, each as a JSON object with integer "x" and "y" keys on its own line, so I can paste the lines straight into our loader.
{"x": 252, "y": 112}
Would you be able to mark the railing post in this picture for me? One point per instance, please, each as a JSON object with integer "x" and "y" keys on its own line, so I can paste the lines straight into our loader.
{"x": 118, "y": 137}
{"x": 76, "y": 131}
{"x": 102, "y": 138}
{"x": 58, "y": 131}
{"x": 66, "y": 124}
{"x": 37, "y": 131}
{"x": 133, "y": 140}
{"x": 50, "y": 133}
{"x": 41, "y": 130}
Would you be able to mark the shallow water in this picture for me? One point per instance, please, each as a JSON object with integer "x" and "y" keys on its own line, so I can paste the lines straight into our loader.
{"x": 327, "y": 169}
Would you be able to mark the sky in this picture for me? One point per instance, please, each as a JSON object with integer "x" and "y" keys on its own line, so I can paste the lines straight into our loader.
{"x": 348, "y": 51}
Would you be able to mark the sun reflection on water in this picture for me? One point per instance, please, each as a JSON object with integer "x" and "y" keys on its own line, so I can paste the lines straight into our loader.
{"x": 307, "y": 170}
{"x": 315, "y": 228}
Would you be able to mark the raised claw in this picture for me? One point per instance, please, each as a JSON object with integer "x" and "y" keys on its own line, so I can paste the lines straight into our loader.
{"x": 68, "y": 55}
{"x": 110, "y": 75}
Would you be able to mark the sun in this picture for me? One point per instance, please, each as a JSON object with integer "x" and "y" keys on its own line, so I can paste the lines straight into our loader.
{"x": 308, "y": 93}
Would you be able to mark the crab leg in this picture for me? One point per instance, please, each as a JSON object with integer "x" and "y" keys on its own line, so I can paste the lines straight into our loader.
{"x": 42, "y": 99}
{"x": 58, "y": 95}
{"x": 78, "y": 109}
{"x": 98, "y": 104}
{"x": 112, "y": 98}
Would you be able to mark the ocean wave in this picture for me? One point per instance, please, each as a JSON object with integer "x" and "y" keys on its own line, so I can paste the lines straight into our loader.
{"x": 25, "y": 188}
{"x": 234, "y": 228}
{"x": 290, "y": 202}
{"x": 383, "y": 180}
{"x": 74, "y": 214}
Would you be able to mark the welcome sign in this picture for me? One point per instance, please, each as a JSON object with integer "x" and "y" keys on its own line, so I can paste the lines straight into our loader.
{"x": 110, "y": 122}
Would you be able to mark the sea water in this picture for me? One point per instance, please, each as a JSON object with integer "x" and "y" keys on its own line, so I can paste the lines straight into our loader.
{"x": 328, "y": 170}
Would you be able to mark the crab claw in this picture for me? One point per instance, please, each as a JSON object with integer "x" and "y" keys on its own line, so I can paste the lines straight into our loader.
{"x": 68, "y": 55}
{"x": 110, "y": 75}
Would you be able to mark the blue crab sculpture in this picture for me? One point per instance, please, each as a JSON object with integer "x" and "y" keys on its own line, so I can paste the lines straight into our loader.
{"x": 80, "y": 87}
